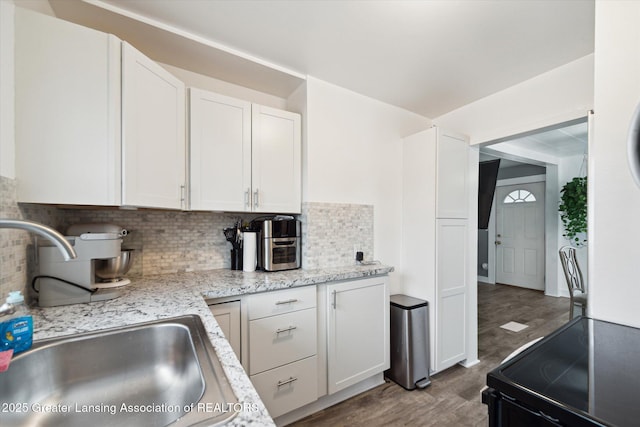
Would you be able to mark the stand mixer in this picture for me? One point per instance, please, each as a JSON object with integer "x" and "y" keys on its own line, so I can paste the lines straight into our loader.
{"x": 71, "y": 282}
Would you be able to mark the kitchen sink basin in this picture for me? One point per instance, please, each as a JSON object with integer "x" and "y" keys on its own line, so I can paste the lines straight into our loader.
{"x": 159, "y": 373}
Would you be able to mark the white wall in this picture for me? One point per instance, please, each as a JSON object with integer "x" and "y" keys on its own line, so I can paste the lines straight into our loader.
{"x": 354, "y": 155}
{"x": 560, "y": 95}
{"x": 614, "y": 232}
{"x": 7, "y": 109}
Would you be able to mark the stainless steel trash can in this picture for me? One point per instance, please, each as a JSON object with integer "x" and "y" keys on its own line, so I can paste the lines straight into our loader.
{"x": 409, "y": 335}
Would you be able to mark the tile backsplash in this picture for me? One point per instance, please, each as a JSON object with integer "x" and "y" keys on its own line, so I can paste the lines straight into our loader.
{"x": 172, "y": 241}
{"x": 332, "y": 232}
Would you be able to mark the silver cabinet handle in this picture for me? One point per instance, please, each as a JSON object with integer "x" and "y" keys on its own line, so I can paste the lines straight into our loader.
{"x": 183, "y": 196}
{"x": 289, "y": 301}
{"x": 334, "y": 295}
{"x": 290, "y": 328}
{"x": 285, "y": 382}
{"x": 247, "y": 195}
{"x": 256, "y": 199}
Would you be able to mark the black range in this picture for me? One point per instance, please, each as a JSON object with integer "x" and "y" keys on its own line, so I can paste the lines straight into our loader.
{"x": 586, "y": 373}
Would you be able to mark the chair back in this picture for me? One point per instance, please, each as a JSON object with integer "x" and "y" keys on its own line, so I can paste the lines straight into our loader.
{"x": 572, "y": 271}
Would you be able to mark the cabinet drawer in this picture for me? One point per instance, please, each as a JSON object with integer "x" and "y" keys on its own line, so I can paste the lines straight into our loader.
{"x": 277, "y": 340}
{"x": 288, "y": 387}
{"x": 278, "y": 302}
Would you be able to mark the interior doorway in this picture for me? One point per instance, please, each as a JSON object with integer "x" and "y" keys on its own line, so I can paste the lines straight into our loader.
{"x": 552, "y": 156}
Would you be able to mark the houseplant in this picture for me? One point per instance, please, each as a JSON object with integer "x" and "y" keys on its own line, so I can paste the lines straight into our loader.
{"x": 573, "y": 210}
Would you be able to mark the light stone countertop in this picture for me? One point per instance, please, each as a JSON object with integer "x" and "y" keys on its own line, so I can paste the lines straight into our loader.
{"x": 157, "y": 297}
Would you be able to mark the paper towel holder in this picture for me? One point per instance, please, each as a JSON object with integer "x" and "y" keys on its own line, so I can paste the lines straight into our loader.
{"x": 249, "y": 251}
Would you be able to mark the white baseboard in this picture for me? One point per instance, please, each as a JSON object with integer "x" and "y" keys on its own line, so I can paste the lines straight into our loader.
{"x": 330, "y": 400}
{"x": 469, "y": 363}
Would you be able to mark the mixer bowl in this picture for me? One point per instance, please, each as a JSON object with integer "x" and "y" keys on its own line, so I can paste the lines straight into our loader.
{"x": 114, "y": 268}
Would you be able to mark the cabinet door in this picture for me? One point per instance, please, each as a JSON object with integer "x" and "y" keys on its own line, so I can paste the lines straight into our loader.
{"x": 67, "y": 97}
{"x": 227, "y": 315}
{"x": 451, "y": 292}
{"x": 153, "y": 120}
{"x": 357, "y": 331}
{"x": 276, "y": 161}
{"x": 220, "y": 152}
{"x": 452, "y": 176}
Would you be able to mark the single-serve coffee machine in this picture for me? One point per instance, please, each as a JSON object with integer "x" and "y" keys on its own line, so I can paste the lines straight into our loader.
{"x": 63, "y": 282}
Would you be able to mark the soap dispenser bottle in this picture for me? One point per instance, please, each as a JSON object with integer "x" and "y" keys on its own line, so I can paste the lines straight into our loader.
{"x": 16, "y": 331}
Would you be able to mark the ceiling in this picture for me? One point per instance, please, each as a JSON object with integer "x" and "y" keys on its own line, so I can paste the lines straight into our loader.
{"x": 426, "y": 56}
{"x": 557, "y": 143}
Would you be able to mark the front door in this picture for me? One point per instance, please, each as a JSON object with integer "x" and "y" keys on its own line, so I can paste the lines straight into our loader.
{"x": 520, "y": 258}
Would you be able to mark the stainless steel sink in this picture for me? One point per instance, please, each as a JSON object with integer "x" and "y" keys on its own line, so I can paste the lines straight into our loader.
{"x": 149, "y": 374}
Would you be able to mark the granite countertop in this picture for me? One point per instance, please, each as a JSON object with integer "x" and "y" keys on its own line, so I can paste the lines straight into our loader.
{"x": 157, "y": 297}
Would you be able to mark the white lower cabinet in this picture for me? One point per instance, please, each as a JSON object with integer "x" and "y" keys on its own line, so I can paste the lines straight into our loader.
{"x": 357, "y": 331}
{"x": 288, "y": 387}
{"x": 282, "y": 340}
{"x": 301, "y": 346}
{"x": 227, "y": 315}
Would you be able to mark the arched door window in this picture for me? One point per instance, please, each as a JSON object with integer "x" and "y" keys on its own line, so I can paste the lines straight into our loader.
{"x": 519, "y": 196}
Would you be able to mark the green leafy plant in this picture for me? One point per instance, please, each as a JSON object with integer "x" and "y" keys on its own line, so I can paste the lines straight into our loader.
{"x": 573, "y": 208}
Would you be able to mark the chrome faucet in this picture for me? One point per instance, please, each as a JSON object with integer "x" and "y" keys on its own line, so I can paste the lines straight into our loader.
{"x": 58, "y": 239}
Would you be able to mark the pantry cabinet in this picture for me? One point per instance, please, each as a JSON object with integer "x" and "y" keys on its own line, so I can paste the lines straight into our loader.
{"x": 435, "y": 253}
{"x": 97, "y": 122}
{"x": 256, "y": 151}
{"x": 357, "y": 331}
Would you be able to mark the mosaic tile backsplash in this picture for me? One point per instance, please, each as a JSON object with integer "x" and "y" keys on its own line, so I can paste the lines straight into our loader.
{"x": 172, "y": 241}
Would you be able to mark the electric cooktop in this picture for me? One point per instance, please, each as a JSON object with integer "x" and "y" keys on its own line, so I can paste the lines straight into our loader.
{"x": 588, "y": 370}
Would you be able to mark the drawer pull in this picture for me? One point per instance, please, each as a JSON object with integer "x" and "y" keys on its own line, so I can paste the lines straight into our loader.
{"x": 290, "y": 328}
{"x": 289, "y": 301}
{"x": 285, "y": 382}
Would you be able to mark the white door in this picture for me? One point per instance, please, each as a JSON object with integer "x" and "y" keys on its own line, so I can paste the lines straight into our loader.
{"x": 520, "y": 258}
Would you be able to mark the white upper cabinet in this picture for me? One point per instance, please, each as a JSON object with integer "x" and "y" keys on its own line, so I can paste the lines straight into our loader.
{"x": 97, "y": 122}
{"x": 243, "y": 157}
{"x": 153, "y": 134}
{"x": 67, "y": 120}
{"x": 276, "y": 160}
{"x": 220, "y": 152}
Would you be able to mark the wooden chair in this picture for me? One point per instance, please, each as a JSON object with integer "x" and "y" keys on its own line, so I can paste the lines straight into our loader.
{"x": 575, "y": 281}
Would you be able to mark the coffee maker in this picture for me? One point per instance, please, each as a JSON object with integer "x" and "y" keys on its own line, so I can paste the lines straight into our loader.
{"x": 63, "y": 282}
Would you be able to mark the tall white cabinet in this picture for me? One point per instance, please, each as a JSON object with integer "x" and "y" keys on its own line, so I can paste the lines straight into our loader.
{"x": 97, "y": 122}
{"x": 435, "y": 230}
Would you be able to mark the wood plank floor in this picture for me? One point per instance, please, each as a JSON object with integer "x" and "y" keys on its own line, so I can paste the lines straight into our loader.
{"x": 453, "y": 398}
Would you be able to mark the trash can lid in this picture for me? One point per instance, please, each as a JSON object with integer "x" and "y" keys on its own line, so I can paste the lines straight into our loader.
{"x": 407, "y": 302}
